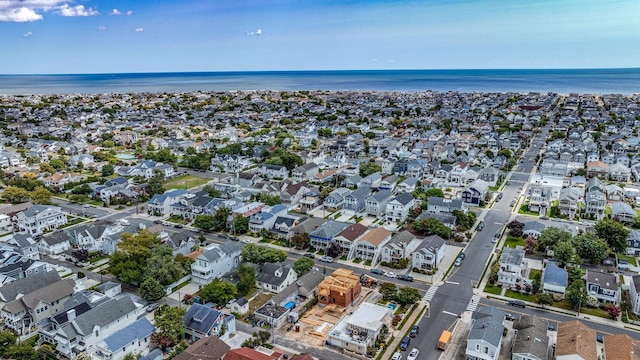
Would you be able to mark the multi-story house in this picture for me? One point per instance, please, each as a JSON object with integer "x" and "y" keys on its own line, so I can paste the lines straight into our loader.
{"x": 358, "y": 331}
{"x": 540, "y": 198}
{"x": 342, "y": 288}
{"x": 376, "y": 204}
{"x": 489, "y": 175}
{"x": 400, "y": 247}
{"x": 513, "y": 267}
{"x": 348, "y": 237}
{"x": 389, "y": 183}
{"x": 485, "y": 336}
{"x": 25, "y": 245}
{"x": 429, "y": 253}
{"x": 575, "y": 340}
{"x": 603, "y": 286}
{"x": 202, "y": 321}
{"x": 555, "y": 280}
{"x": 619, "y": 172}
{"x": 355, "y": 201}
{"x": 304, "y": 172}
{"x": 182, "y": 242}
{"x": 398, "y": 208}
{"x": 595, "y": 199}
{"x": 274, "y": 277}
{"x": 530, "y": 340}
{"x": 475, "y": 193}
{"x": 597, "y": 169}
{"x": 266, "y": 218}
{"x": 442, "y": 206}
{"x": 273, "y": 171}
{"x": 371, "y": 181}
{"x": 215, "y": 261}
{"x": 325, "y": 233}
{"x": 309, "y": 201}
{"x": 568, "y": 201}
{"x": 409, "y": 185}
{"x": 39, "y": 219}
{"x": 369, "y": 246}
{"x": 335, "y": 199}
{"x": 634, "y": 292}
{"x": 622, "y": 212}
{"x": 147, "y": 169}
{"x": 160, "y": 204}
{"x": 132, "y": 339}
{"x": 58, "y": 180}
{"x": 614, "y": 193}
{"x": 457, "y": 172}
{"x": 6, "y": 226}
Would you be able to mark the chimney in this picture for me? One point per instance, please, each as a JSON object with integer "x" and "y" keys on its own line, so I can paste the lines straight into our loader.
{"x": 71, "y": 315}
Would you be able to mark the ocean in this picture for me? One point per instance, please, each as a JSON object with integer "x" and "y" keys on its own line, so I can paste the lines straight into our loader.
{"x": 592, "y": 81}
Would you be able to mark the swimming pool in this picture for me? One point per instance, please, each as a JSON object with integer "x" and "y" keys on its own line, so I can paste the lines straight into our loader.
{"x": 290, "y": 305}
{"x": 392, "y": 306}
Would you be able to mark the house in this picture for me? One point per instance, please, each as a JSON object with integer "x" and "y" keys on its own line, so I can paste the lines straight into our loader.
{"x": 399, "y": 248}
{"x": 324, "y": 234}
{"x": 603, "y": 286}
{"x": 597, "y": 169}
{"x": 530, "y": 340}
{"x": 160, "y": 204}
{"x": 513, "y": 267}
{"x": 634, "y": 293}
{"x": 275, "y": 277}
{"x": 633, "y": 242}
{"x": 283, "y": 226}
{"x": 376, "y": 204}
{"x": 619, "y": 172}
{"x": 355, "y": 200}
{"x": 369, "y": 246}
{"x": 484, "y": 340}
{"x": 6, "y": 225}
{"x": 39, "y": 219}
{"x": 341, "y": 289}
{"x": 348, "y": 237}
{"x": 303, "y": 288}
{"x": 110, "y": 190}
{"x": 490, "y": 175}
{"x": 309, "y": 201}
{"x": 595, "y": 199}
{"x": 533, "y": 229}
{"x": 429, "y": 254}
{"x": 457, "y": 172}
{"x": 357, "y": 331}
{"x": 448, "y": 220}
{"x": 147, "y": 169}
{"x": 555, "y": 280}
{"x": 273, "y": 171}
{"x": 304, "y": 172}
{"x": 398, "y": 208}
{"x": 55, "y": 244}
{"x": 568, "y": 201}
{"x": 25, "y": 245}
{"x": 272, "y": 314}
{"x": 614, "y": 193}
{"x": 622, "y": 212}
{"x": 215, "y": 261}
{"x": 182, "y": 242}
{"x": 291, "y": 193}
{"x": 110, "y": 288}
{"x": 389, "y": 183}
{"x": 260, "y": 353}
{"x": 575, "y": 341}
{"x": 442, "y": 206}
{"x": 409, "y": 185}
{"x": 266, "y": 218}
{"x": 540, "y": 198}
{"x": 621, "y": 346}
{"x": 133, "y": 339}
{"x": 475, "y": 193}
{"x": 206, "y": 348}
{"x": 335, "y": 199}
{"x": 240, "y": 306}
{"x": 83, "y": 331}
{"x": 201, "y": 321}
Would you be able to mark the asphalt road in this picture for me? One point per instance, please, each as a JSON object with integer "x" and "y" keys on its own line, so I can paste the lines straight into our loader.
{"x": 79, "y": 209}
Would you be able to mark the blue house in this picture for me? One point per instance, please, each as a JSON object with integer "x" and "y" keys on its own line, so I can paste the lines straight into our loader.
{"x": 324, "y": 234}
{"x": 135, "y": 339}
{"x": 555, "y": 280}
{"x": 201, "y": 321}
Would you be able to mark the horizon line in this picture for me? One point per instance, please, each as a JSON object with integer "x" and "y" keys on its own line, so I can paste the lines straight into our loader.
{"x": 319, "y": 71}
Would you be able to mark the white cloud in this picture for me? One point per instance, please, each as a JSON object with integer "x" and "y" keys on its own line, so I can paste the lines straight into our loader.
{"x": 129, "y": 12}
{"x": 102, "y": 28}
{"x": 139, "y": 29}
{"x": 78, "y": 10}
{"x": 21, "y": 14}
{"x": 252, "y": 33}
{"x": 115, "y": 12}
{"x": 27, "y": 34}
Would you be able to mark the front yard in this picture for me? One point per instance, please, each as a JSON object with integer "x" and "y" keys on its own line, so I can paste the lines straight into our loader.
{"x": 514, "y": 242}
{"x": 184, "y": 182}
{"x": 630, "y": 259}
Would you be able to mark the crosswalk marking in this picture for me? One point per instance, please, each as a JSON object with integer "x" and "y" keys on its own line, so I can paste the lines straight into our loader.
{"x": 473, "y": 304}
{"x": 429, "y": 295}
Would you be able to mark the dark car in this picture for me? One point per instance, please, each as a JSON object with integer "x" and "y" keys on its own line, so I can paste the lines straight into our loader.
{"x": 461, "y": 256}
{"x": 405, "y": 278}
{"x": 178, "y": 226}
{"x": 234, "y": 238}
{"x": 415, "y": 330}
{"x": 518, "y": 303}
{"x": 377, "y": 271}
{"x": 223, "y": 235}
{"x": 157, "y": 221}
{"x": 310, "y": 255}
{"x": 405, "y": 343}
{"x": 509, "y": 317}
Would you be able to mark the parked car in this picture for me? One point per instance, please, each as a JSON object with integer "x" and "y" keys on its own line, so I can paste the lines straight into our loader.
{"x": 509, "y": 317}
{"x": 157, "y": 222}
{"x": 178, "y": 226}
{"x": 86, "y": 205}
{"x": 234, "y": 238}
{"x": 458, "y": 262}
{"x": 405, "y": 278}
{"x": 152, "y": 307}
{"x": 544, "y": 218}
{"x": 517, "y": 303}
{"x": 310, "y": 255}
{"x": 415, "y": 330}
{"x": 223, "y": 235}
{"x": 405, "y": 343}
{"x": 461, "y": 255}
{"x": 480, "y": 226}
{"x": 327, "y": 259}
{"x": 397, "y": 356}
{"x": 390, "y": 274}
{"x": 377, "y": 271}
{"x": 494, "y": 240}
{"x": 413, "y": 355}
{"x": 246, "y": 241}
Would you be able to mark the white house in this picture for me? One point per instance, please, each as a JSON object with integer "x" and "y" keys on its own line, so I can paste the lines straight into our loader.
{"x": 398, "y": 207}
{"x": 366, "y": 321}
{"x": 401, "y": 246}
{"x": 215, "y": 261}
{"x": 275, "y": 277}
{"x": 134, "y": 339}
{"x": 429, "y": 254}
{"x": 634, "y": 291}
{"x": 485, "y": 335}
{"x": 513, "y": 267}
{"x": 160, "y": 204}
{"x": 40, "y": 218}
{"x": 603, "y": 286}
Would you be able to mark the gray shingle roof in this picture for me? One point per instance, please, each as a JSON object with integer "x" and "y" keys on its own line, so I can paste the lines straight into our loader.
{"x": 136, "y": 331}
{"x": 268, "y": 274}
{"x": 200, "y": 318}
{"x": 487, "y": 325}
{"x": 403, "y": 198}
{"x": 103, "y": 314}
{"x": 512, "y": 256}
{"x": 531, "y": 337}
{"x": 555, "y": 275}
{"x": 10, "y": 291}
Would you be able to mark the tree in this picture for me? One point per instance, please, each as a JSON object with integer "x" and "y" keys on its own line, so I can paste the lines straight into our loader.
{"x": 505, "y": 152}
{"x": 551, "y": 236}
{"x": 368, "y": 168}
{"x": 45, "y": 167}
{"x": 151, "y": 289}
{"x": 246, "y": 279}
{"x": 333, "y": 249}
{"x": 204, "y": 222}
{"x": 577, "y": 294}
{"x": 162, "y": 266}
{"x": 219, "y": 292}
{"x": 531, "y": 243}
{"x": 589, "y": 247}
{"x": 15, "y": 195}
{"x": 41, "y": 195}
{"x": 563, "y": 252}
{"x": 612, "y": 310}
{"x": 388, "y": 290}
{"x": 614, "y": 233}
{"x": 407, "y": 296}
{"x": 170, "y": 326}
{"x": 211, "y": 191}
{"x": 57, "y": 164}
{"x": 301, "y": 240}
{"x": 267, "y": 199}
{"x": 220, "y": 219}
{"x": 7, "y": 340}
{"x": 434, "y": 192}
{"x": 515, "y": 228}
{"x": 574, "y": 274}
{"x": 129, "y": 262}
{"x": 107, "y": 170}
{"x": 545, "y": 299}
{"x": 303, "y": 265}
{"x": 257, "y": 254}
{"x": 432, "y": 226}
{"x": 155, "y": 184}
{"x": 22, "y": 351}
{"x": 240, "y": 224}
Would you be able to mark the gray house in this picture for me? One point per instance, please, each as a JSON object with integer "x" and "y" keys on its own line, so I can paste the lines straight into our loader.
{"x": 376, "y": 204}
{"x": 355, "y": 201}
{"x": 485, "y": 336}
{"x": 531, "y": 341}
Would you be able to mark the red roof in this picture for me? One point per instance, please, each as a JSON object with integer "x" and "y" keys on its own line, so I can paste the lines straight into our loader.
{"x": 247, "y": 354}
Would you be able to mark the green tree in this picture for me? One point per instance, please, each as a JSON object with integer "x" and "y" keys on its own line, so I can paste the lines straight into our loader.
{"x": 219, "y": 292}
{"x": 257, "y": 254}
{"x": 45, "y": 167}
{"x": 388, "y": 290}
{"x": 545, "y": 299}
{"x": 267, "y": 199}
{"x": 151, "y": 289}
{"x": 23, "y": 351}
{"x": 303, "y": 265}
{"x": 577, "y": 294}
{"x": 162, "y": 266}
{"x": 368, "y": 168}
{"x": 155, "y": 184}
{"x": 7, "y": 340}
{"x": 505, "y": 152}
{"x": 590, "y": 247}
{"x": 220, "y": 219}
{"x": 15, "y": 195}
{"x": 575, "y": 274}
{"x": 57, "y": 164}
{"x": 301, "y": 240}
{"x": 246, "y": 279}
{"x": 211, "y": 191}
{"x": 240, "y": 224}
{"x": 169, "y": 324}
{"x": 614, "y": 233}
{"x": 551, "y": 236}
{"x": 41, "y": 195}
{"x": 407, "y": 296}
{"x": 204, "y": 222}
{"x": 563, "y": 252}
{"x": 128, "y": 263}
{"x": 432, "y": 226}
{"x": 435, "y": 192}
{"x": 107, "y": 170}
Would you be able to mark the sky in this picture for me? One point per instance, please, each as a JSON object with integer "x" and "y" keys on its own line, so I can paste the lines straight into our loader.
{"x": 117, "y": 36}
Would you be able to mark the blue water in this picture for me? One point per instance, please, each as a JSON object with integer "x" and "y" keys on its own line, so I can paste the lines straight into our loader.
{"x": 595, "y": 81}
{"x": 392, "y": 306}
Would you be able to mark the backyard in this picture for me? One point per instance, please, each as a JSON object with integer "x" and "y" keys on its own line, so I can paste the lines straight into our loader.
{"x": 184, "y": 182}
{"x": 513, "y": 242}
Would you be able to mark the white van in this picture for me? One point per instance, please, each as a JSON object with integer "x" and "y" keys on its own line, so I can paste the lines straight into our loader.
{"x": 124, "y": 222}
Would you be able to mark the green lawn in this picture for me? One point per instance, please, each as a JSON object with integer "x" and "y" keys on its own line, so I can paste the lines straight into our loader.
{"x": 630, "y": 259}
{"x": 184, "y": 182}
{"x": 513, "y": 241}
{"x": 521, "y": 296}
{"x": 177, "y": 220}
{"x": 533, "y": 272}
{"x": 492, "y": 289}
{"x": 564, "y": 304}
{"x": 524, "y": 210}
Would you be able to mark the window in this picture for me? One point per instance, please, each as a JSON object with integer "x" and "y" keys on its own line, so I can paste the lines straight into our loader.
{"x": 486, "y": 350}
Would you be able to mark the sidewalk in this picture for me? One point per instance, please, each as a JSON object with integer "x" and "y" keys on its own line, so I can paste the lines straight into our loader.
{"x": 404, "y": 331}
